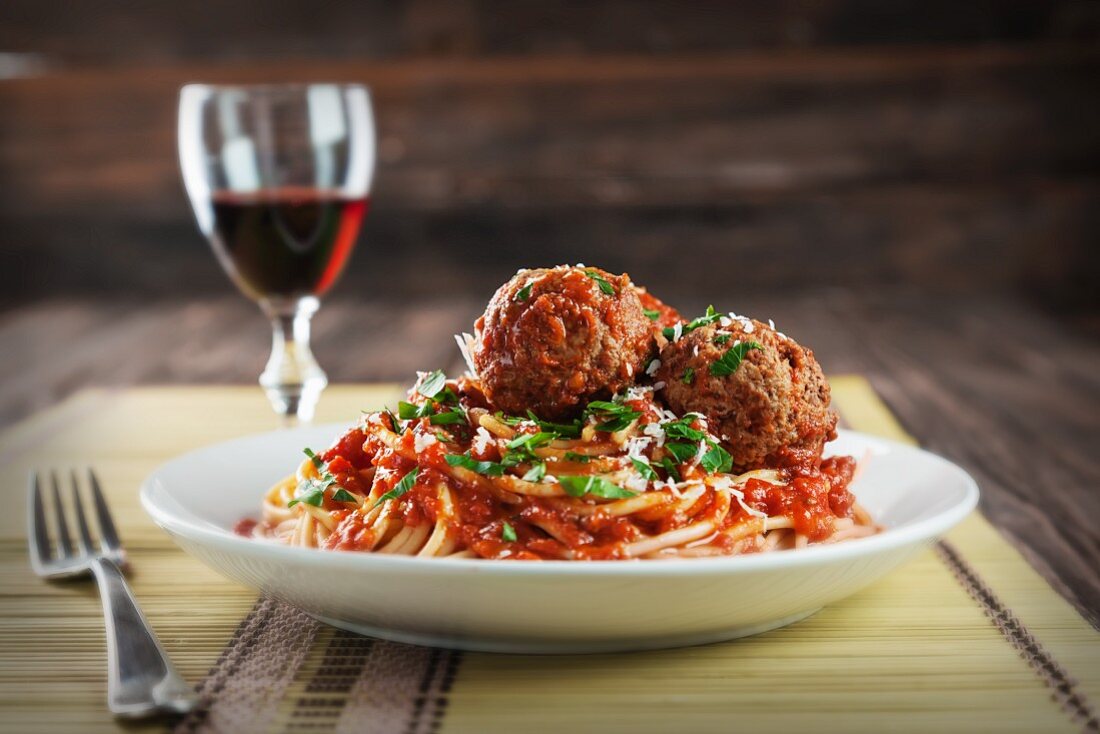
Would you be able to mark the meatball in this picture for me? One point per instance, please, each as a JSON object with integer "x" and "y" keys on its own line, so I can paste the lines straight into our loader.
{"x": 771, "y": 409}
{"x": 553, "y": 339}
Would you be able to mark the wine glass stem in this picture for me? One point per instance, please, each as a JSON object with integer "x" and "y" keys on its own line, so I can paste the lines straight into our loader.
{"x": 292, "y": 379}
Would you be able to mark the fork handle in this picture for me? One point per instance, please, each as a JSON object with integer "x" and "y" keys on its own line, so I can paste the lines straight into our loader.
{"x": 140, "y": 678}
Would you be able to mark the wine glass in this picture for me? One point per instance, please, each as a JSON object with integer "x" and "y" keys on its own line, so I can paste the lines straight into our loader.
{"x": 279, "y": 178}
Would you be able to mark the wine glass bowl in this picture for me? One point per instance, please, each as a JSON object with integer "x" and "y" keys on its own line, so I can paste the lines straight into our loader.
{"x": 279, "y": 179}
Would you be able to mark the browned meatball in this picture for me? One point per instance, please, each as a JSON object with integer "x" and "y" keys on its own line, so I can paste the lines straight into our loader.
{"x": 553, "y": 339}
{"x": 771, "y": 409}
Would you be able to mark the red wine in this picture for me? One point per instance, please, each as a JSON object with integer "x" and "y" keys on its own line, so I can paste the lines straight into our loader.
{"x": 285, "y": 243}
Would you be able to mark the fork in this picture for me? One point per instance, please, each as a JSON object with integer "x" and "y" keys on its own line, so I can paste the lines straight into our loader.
{"x": 141, "y": 680}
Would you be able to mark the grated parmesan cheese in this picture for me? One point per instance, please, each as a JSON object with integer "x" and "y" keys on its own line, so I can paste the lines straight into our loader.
{"x": 422, "y": 441}
{"x": 636, "y": 483}
{"x": 482, "y": 439}
{"x": 636, "y": 445}
{"x": 655, "y": 431}
{"x": 464, "y": 341}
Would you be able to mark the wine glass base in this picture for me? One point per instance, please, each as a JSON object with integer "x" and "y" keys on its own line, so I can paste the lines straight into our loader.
{"x": 295, "y": 404}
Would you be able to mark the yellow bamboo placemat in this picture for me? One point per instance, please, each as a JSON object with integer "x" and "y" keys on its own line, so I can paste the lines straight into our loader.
{"x": 967, "y": 637}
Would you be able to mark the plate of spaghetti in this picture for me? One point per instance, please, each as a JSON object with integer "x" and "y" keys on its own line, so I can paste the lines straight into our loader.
{"x": 604, "y": 475}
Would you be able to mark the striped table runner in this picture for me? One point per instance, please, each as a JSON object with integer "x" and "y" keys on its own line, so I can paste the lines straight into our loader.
{"x": 967, "y": 637}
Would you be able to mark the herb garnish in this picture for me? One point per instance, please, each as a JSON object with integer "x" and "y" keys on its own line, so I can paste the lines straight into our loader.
{"x": 443, "y": 437}
{"x": 536, "y": 472}
{"x": 579, "y": 458}
{"x": 606, "y": 287}
{"x": 432, "y": 384}
{"x": 681, "y": 428}
{"x": 644, "y": 469}
{"x": 521, "y": 449}
{"x": 709, "y": 318}
{"x": 578, "y": 486}
{"x": 507, "y": 532}
{"x": 731, "y": 360}
{"x": 722, "y": 339}
{"x": 566, "y": 430}
{"x": 615, "y": 416}
{"x": 716, "y": 460}
{"x": 673, "y": 472}
{"x": 689, "y": 376}
{"x": 312, "y": 491}
{"x": 532, "y": 440}
{"x": 402, "y": 487}
{"x": 410, "y": 411}
{"x": 456, "y": 415}
{"x": 523, "y": 293}
{"x": 488, "y": 468}
{"x": 651, "y": 314}
{"x": 397, "y": 427}
{"x": 683, "y": 452}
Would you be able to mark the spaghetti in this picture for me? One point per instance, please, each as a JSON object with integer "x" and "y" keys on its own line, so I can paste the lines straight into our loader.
{"x": 449, "y": 476}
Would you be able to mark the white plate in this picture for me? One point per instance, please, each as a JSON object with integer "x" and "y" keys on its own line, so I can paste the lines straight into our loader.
{"x": 549, "y": 606}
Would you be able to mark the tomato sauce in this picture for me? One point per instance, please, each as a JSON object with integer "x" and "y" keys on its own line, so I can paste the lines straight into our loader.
{"x": 813, "y": 498}
{"x": 815, "y": 494}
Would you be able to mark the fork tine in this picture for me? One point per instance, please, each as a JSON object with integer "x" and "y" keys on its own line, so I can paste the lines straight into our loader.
{"x": 40, "y": 537}
{"x": 108, "y": 536}
{"x": 81, "y": 521}
{"x": 64, "y": 540}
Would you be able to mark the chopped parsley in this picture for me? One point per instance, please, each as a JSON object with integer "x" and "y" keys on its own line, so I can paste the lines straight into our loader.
{"x": 689, "y": 376}
{"x": 523, "y": 293}
{"x": 566, "y": 430}
{"x": 731, "y": 360}
{"x": 443, "y": 437}
{"x": 722, "y": 339}
{"x": 411, "y": 411}
{"x": 447, "y": 396}
{"x": 673, "y": 472}
{"x": 402, "y": 487}
{"x": 709, "y": 318}
{"x": 434, "y": 389}
{"x": 450, "y": 417}
{"x": 578, "y": 486}
{"x": 532, "y": 440}
{"x": 614, "y": 416}
{"x": 507, "y": 532}
{"x": 644, "y": 469}
{"x": 605, "y": 286}
{"x": 684, "y": 452}
{"x": 536, "y": 472}
{"x": 651, "y": 314}
{"x": 397, "y": 427}
{"x": 488, "y": 468}
{"x": 681, "y": 428}
{"x": 312, "y": 491}
{"x": 432, "y": 384}
{"x": 317, "y": 462}
{"x": 521, "y": 449}
{"x": 716, "y": 460}
{"x": 579, "y": 458}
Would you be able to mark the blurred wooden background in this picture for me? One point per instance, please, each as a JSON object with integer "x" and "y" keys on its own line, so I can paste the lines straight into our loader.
{"x": 738, "y": 146}
{"x": 913, "y": 188}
